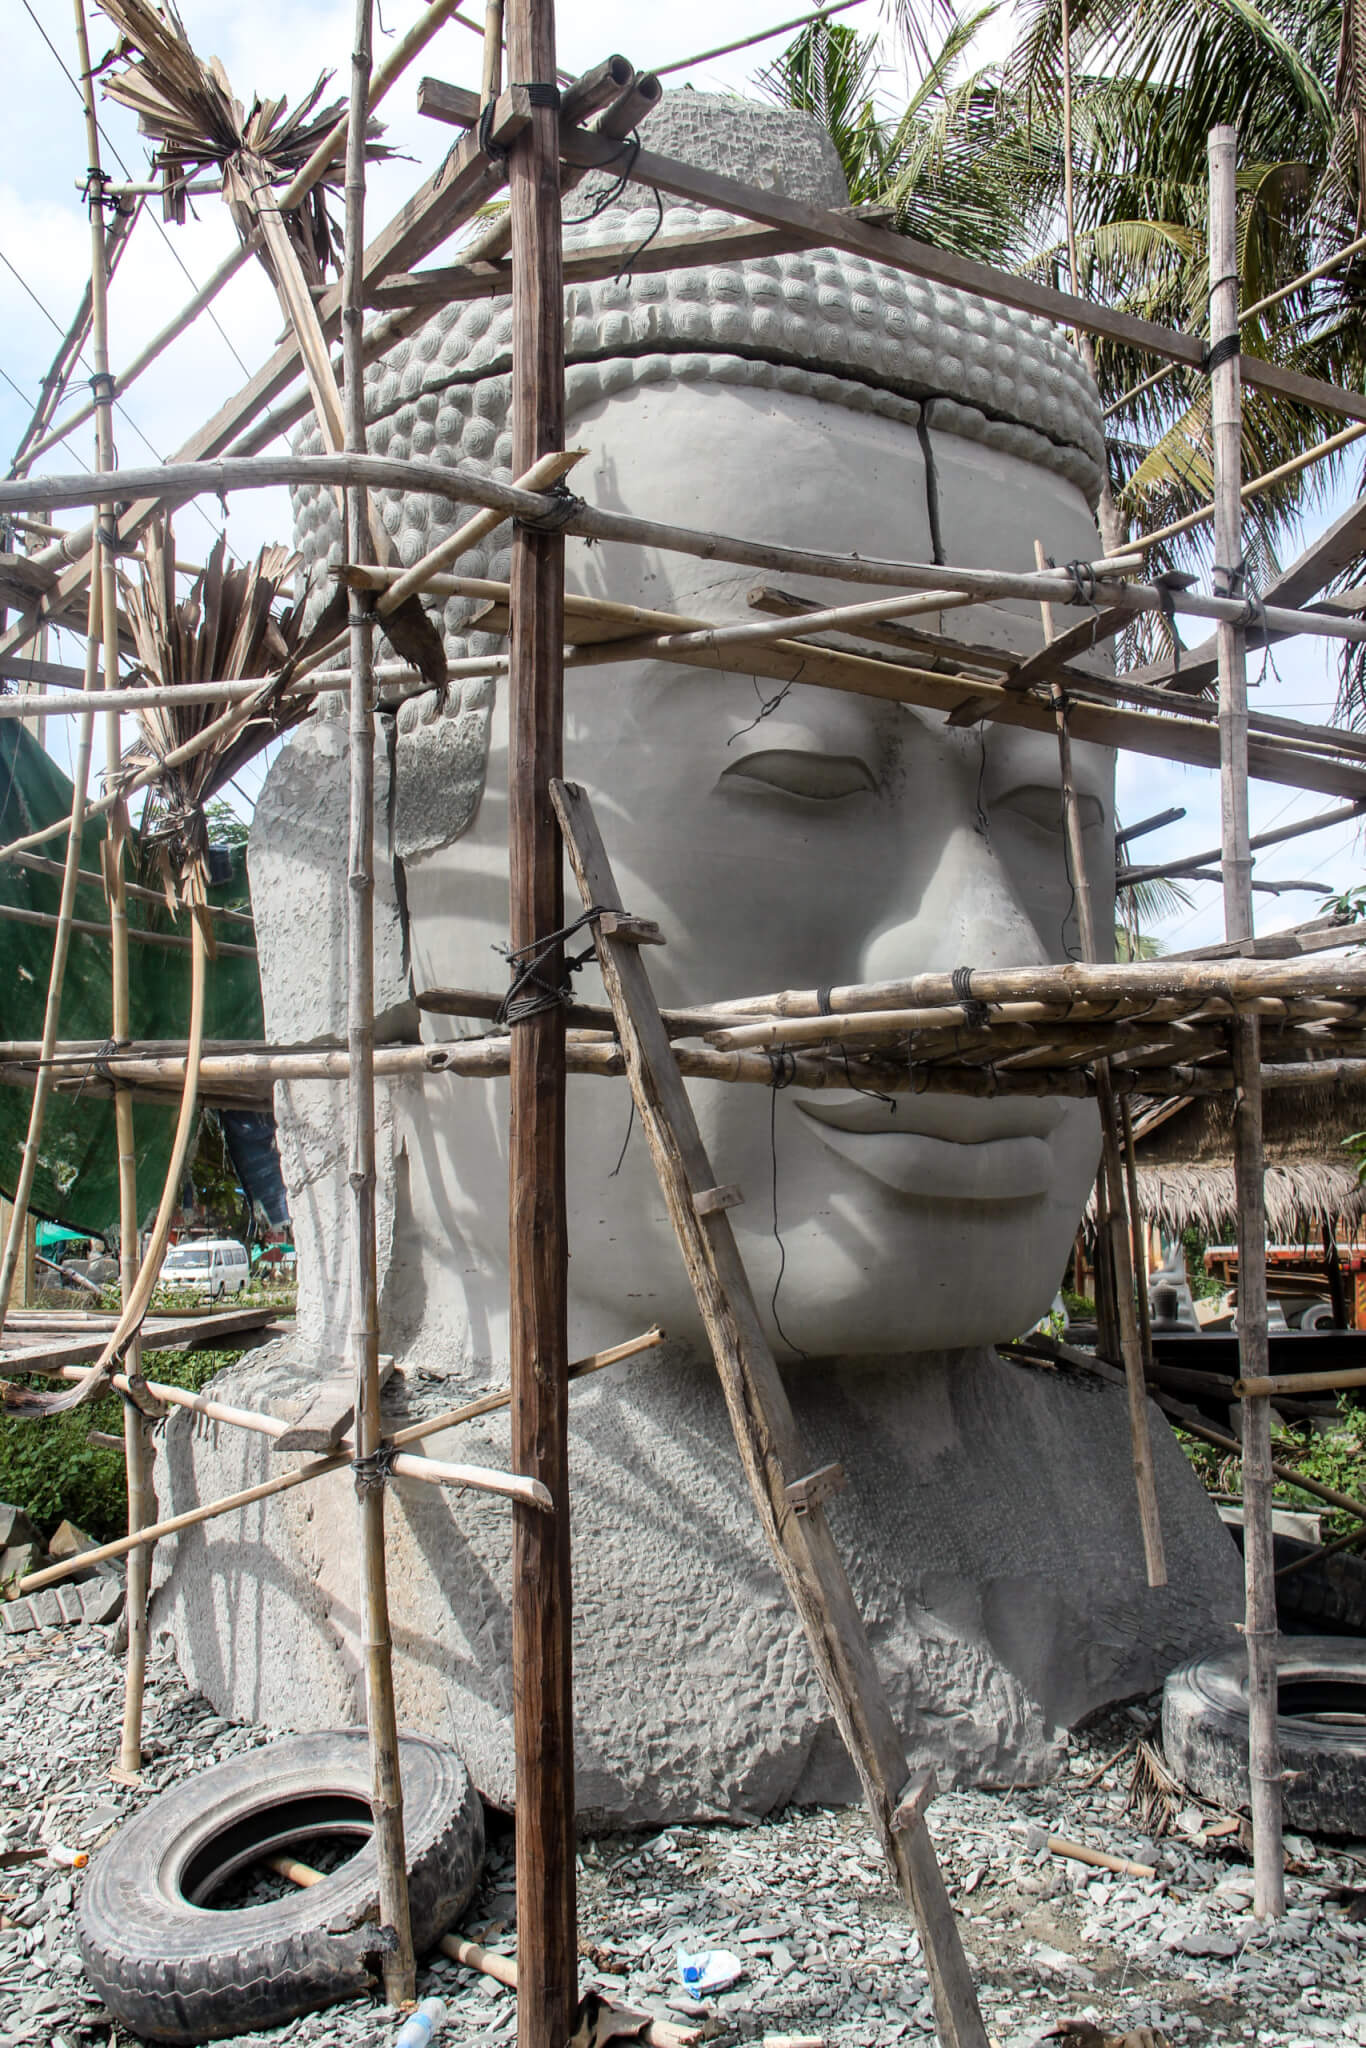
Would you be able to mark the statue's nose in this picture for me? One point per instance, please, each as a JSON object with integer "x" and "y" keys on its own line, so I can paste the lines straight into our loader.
{"x": 967, "y": 914}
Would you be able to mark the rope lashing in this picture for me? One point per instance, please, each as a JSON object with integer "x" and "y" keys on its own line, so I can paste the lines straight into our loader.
{"x": 975, "y": 1013}
{"x": 374, "y": 1471}
{"x": 526, "y": 963}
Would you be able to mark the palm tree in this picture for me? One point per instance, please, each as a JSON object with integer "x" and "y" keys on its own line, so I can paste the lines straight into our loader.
{"x": 979, "y": 161}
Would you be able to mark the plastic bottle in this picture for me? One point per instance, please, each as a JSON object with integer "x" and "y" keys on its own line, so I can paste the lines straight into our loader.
{"x": 419, "y": 2027}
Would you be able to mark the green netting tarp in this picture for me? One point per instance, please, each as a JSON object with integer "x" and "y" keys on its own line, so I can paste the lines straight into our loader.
{"x": 77, "y": 1178}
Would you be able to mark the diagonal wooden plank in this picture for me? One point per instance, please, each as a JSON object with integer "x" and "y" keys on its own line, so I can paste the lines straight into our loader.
{"x": 766, "y": 1432}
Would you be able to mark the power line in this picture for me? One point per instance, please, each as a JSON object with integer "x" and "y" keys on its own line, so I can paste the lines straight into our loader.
{"x": 114, "y": 152}
{"x": 21, "y": 393}
{"x": 119, "y": 407}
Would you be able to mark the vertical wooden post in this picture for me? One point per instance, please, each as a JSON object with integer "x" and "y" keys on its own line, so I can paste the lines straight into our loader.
{"x": 1264, "y": 1769}
{"x": 1116, "y": 1221}
{"x": 386, "y": 1789}
{"x": 547, "y": 1942}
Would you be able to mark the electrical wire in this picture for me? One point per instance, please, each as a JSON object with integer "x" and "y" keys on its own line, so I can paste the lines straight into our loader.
{"x": 119, "y": 407}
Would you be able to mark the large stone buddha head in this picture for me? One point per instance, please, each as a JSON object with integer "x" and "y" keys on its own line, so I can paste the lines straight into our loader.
{"x": 781, "y": 838}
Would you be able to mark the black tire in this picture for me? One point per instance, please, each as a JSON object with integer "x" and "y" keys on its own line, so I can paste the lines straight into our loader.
{"x": 1326, "y": 1597}
{"x": 174, "y": 1970}
{"x": 1322, "y": 1726}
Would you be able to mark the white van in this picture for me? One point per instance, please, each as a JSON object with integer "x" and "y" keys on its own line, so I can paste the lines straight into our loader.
{"x": 209, "y": 1265}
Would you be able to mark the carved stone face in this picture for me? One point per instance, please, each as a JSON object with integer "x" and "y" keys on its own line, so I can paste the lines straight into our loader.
{"x": 810, "y": 398}
{"x": 827, "y": 839}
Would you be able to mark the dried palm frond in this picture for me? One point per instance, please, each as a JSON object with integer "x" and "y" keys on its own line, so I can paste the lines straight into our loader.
{"x": 189, "y": 108}
{"x": 225, "y": 630}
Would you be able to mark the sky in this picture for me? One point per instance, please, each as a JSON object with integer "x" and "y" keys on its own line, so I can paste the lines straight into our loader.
{"x": 274, "y": 48}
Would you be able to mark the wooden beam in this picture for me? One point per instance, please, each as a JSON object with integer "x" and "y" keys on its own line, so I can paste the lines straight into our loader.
{"x": 430, "y": 289}
{"x": 767, "y": 1436}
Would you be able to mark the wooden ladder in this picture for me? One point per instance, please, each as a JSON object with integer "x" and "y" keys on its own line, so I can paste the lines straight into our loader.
{"x": 787, "y": 1495}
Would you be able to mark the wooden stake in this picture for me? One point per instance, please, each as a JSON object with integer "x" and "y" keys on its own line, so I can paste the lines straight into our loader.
{"x": 386, "y": 1791}
{"x": 543, "y": 1727}
{"x": 767, "y": 1437}
{"x": 1258, "y": 1549}
{"x": 1116, "y": 1222}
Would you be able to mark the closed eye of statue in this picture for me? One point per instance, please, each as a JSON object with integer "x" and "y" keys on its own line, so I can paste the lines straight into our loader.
{"x": 796, "y": 772}
{"x": 1041, "y": 804}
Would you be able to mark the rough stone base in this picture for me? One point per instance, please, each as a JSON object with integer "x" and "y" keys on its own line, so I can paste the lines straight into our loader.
{"x": 989, "y": 1526}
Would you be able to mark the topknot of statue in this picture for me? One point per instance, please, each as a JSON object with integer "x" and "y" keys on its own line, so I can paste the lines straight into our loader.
{"x": 776, "y": 149}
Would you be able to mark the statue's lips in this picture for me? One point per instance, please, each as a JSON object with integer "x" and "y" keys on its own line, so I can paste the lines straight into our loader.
{"x": 982, "y": 1162}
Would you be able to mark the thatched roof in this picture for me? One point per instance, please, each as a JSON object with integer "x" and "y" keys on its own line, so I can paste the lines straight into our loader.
{"x": 1298, "y": 1198}
{"x": 1185, "y": 1163}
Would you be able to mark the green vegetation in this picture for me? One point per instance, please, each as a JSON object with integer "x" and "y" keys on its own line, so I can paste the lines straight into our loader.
{"x": 51, "y": 1469}
{"x": 1337, "y": 1460}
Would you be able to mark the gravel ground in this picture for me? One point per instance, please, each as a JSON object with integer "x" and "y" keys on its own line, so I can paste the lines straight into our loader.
{"x": 802, "y": 1898}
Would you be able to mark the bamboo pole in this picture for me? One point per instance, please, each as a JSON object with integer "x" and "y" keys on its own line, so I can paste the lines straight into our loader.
{"x": 542, "y": 1593}
{"x": 474, "y": 1477}
{"x": 217, "y": 478}
{"x": 1116, "y": 1207}
{"x": 28, "y": 1159}
{"x": 1258, "y": 1551}
{"x": 386, "y": 1791}
{"x": 137, "y": 1444}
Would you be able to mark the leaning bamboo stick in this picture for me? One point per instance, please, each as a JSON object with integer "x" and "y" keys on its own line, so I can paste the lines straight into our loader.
{"x": 157, "y": 346}
{"x": 474, "y": 1477}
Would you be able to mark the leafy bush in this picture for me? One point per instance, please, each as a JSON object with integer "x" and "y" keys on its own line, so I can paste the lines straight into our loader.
{"x": 51, "y": 1469}
{"x": 1337, "y": 1460}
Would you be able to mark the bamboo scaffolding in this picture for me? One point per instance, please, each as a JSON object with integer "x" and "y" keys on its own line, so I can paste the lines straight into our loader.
{"x": 1236, "y": 860}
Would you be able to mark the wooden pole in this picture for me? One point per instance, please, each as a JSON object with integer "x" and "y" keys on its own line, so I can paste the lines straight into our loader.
{"x": 1116, "y": 1220}
{"x": 1258, "y": 1552}
{"x": 386, "y": 1790}
{"x": 547, "y": 1940}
